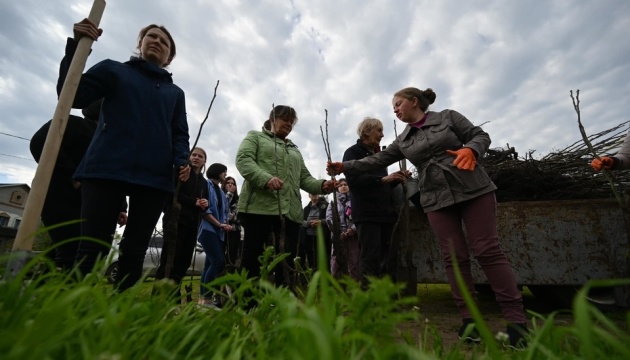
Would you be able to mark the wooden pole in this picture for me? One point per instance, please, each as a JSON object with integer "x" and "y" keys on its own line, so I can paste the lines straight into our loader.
{"x": 35, "y": 201}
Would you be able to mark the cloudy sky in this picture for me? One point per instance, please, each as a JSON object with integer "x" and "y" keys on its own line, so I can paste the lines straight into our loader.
{"x": 508, "y": 64}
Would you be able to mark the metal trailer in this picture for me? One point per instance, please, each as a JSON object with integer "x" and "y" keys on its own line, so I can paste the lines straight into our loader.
{"x": 555, "y": 247}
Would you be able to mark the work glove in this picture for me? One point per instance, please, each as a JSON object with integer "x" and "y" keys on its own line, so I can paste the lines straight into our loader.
{"x": 603, "y": 162}
{"x": 465, "y": 158}
{"x": 334, "y": 168}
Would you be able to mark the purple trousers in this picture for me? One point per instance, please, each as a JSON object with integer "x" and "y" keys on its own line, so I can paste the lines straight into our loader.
{"x": 479, "y": 217}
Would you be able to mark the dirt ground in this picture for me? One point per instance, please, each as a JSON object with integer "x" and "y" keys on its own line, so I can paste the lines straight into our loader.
{"x": 437, "y": 308}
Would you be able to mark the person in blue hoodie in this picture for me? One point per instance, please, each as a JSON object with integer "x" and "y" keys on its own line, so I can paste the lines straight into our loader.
{"x": 141, "y": 137}
{"x": 212, "y": 232}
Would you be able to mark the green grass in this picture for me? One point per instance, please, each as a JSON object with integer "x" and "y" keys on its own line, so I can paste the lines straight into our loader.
{"x": 53, "y": 317}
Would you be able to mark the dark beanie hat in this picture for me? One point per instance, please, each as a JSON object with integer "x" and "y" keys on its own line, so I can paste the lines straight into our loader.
{"x": 215, "y": 170}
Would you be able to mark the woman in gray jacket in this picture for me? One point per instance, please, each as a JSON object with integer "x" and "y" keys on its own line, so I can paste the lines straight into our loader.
{"x": 444, "y": 147}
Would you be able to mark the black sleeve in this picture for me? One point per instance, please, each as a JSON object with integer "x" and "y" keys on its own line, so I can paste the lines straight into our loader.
{"x": 188, "y": 190}
{"x": 69, "y": 155}
{"x": 362, "y": 181}
{"x": 37, "y": 141}
{"x": 71, "y": 47}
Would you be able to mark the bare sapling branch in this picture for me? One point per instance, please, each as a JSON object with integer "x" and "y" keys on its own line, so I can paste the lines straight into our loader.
{"x": 341, "y": 247}
{"x": 607, "y": 174}
{"x": 206, "y": 118}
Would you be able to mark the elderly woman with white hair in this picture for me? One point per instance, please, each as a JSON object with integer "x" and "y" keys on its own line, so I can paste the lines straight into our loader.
{"x": 372, "y": 202}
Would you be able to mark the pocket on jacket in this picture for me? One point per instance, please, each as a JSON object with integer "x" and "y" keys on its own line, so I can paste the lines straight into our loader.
{"x": 439, "y": 128}
{"x": 442, "y": 136}
{"x": 473, "y": 181}
{"x": 427, "y": 198}
{"x": 407, "y": 143}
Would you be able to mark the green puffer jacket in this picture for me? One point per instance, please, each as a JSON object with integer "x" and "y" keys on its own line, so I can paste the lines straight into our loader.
{"x": 256, "y": 162}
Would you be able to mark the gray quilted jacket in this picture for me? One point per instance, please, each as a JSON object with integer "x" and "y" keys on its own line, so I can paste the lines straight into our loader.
{"x": 441, "y": 183}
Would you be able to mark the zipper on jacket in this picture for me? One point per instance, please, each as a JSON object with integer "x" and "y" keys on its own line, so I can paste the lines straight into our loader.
{"x": 249, "y": 199}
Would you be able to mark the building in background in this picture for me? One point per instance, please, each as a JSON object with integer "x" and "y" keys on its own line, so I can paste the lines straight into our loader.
{"x": 12, "y": 201}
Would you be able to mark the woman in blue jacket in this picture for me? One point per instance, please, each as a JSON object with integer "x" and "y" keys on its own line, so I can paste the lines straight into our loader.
{"x": 142, "y": 135}
{"x": 211, "y": 232}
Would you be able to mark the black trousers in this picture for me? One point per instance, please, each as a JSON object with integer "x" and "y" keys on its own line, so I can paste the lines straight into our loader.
{"x": 258, "y": 230}
{"x": 101, "y": 204}
{"x": 308, "y": 249}
{"x": 374, "y": 240}
{"x": 184, "y": 248}
{"x": 63, "y": 204}
{"x": 232, "y": 249}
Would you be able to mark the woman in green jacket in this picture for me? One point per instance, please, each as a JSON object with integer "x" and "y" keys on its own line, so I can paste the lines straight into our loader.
{"x": 274, "y": 173}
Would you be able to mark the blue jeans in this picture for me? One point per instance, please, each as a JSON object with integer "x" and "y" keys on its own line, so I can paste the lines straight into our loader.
{"x": 213, "y": 247}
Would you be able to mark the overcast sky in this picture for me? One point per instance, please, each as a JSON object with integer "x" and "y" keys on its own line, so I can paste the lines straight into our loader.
{"x": 508, "y": 64}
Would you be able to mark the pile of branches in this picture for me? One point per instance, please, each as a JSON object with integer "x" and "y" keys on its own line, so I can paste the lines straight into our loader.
{"x": 560, "y": 175}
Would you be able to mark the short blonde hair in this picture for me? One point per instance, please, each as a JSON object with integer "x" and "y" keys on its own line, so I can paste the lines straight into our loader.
{"x": 368, "y": 124}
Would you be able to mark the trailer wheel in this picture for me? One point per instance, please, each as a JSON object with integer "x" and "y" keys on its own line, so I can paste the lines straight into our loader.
{"x": 562, "y": 296}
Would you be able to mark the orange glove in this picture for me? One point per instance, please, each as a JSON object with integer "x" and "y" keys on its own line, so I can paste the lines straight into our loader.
{"x": 465, "y": 158}
{"x": 602, "y": 163}
{"x": 334, "y": 168}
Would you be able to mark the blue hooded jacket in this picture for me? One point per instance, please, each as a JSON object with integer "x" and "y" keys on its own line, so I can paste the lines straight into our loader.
{"x": 219, "y": 213}
{"x": 142, "y": 132}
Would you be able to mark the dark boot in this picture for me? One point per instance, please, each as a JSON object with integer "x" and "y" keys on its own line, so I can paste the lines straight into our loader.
{"x": 468, "y": 332}
{"x": 517, "y": 336}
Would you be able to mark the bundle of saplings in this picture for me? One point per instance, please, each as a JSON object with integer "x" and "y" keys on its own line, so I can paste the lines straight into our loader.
{"x": 560, "y": 175}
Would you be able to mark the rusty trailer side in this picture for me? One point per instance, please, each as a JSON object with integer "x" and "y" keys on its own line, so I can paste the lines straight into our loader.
{"x": 562, "y": 243}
